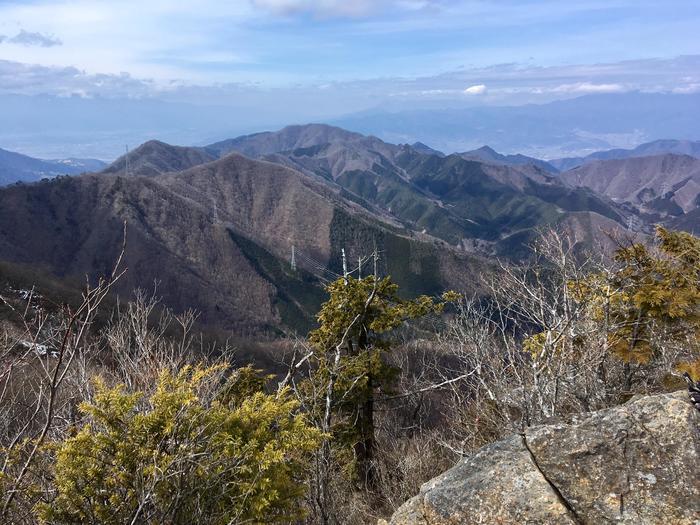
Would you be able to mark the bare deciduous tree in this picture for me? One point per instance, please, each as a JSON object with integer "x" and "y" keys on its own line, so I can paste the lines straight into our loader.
{"x": 44, "y": 354}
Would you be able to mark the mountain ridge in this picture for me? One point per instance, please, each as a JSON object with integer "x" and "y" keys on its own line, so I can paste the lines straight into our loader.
{"x": 395, "y": 180}
{"x": 659, "y": 184}
{"x": 16, "y": 167}
{"x": 488, "y": 154}
{"x": 562, "y": 128}
{"x": 156, "y": 157}
{"x": 647, "y": 149}
{"x": 216, "y": 237}
{"x": 216, "y": 225}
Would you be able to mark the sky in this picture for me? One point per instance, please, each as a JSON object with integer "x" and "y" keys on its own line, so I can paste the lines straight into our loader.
{"x": 262, "y": 64}
{"x": 350, "y": 53}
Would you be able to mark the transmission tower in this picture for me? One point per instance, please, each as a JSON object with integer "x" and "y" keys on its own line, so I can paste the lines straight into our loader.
{"x": 126, "y": 159}
{"x": 345, "y": 266}
{"x": 632, "y": 223}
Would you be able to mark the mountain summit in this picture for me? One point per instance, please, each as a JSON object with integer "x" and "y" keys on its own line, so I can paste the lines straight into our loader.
{"x": 155, "y": 157}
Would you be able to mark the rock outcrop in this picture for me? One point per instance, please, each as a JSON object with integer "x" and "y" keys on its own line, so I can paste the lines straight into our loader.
{"x": 637, "y": 463}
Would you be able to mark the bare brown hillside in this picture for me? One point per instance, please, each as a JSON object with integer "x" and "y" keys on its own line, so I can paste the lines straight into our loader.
{"x": 663, "y": 183}
{"x": 155, "y": 157}
{"x": 216, "y": 237}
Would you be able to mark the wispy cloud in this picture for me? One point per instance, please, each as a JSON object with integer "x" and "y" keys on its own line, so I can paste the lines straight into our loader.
{"x": 31, "y": 39}
{"x": 505, "y": 84}
{"x": 526, "y": 83}
{"x": 688, "y": 89}
{"x": 28, "y": 38}
{"x": 365, "y": 51}
{"x": 342, "y": 8}
{"x": 279, "y": 42}
{"x": 30, "y": 79}
{"x": 589, "y": 87}
{"x": 354, "y": 8}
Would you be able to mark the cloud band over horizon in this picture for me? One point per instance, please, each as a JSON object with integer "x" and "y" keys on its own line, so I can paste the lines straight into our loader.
{"x": 310, "y": 59}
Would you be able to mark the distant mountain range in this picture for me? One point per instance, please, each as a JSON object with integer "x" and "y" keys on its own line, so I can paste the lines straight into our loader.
{"x": 656, "y": 147}
{"x": 217, "y": 236}
{"x": 215, "y": 226}
{"x": 15, "y": 167}
{"x": 565, "y": 128}
{"x": 48, "y": 126}
{"x": 448, "y": 197}
{"x": 487, "y": 154}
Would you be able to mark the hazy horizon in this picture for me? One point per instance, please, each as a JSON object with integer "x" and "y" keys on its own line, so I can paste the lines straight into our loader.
{"x": 194, "y": 72}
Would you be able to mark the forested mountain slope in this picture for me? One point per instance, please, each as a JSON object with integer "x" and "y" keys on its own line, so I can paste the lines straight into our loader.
{"x": 217, "y": 238}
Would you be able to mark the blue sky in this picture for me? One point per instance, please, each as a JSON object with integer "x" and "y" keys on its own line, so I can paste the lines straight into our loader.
{"x": 337, "y": 55}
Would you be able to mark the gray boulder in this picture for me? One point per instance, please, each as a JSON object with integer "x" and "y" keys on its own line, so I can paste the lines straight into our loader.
{"x": 636, "y": 463}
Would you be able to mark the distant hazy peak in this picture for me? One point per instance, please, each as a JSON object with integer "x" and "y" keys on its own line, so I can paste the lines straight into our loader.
{"x": 488, "y": 150}
{"x": 655, "y": 147}
{"x": 17, "y": 167}
{"x": 155, "y": 157}
{"x": 287, "y": 139}
{"x": 488, "y": 154}
{"x": 645, "y": 182}
{"x": 425, "y": 149}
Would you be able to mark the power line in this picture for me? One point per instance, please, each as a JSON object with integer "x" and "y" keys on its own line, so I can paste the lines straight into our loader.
{"x": 316, "y": 266}
{"x": 315, "y": 263}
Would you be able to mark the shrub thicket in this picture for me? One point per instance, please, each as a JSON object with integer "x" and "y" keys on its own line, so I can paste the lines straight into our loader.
{"x": 373, "y": 402}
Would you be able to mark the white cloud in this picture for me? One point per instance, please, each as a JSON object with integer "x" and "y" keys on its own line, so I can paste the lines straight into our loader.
{"x": 344, "y": 8}
{"x": 435, "y": 91}
{"x": 32, "y": 79}
{"x": 588, "y": 87}
{"x": 687, "y": 90}
{"x": 478, "y": 89}
{"x": 351, "y": 8}
{"x": 28, "y": 38}
{"x": 167, "y": 40}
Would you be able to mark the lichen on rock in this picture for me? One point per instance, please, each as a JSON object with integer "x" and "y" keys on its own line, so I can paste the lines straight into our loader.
{"x": 636, "y": 463}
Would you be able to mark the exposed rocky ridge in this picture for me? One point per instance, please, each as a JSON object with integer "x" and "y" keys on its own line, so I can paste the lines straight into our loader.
{"x": 635, "y": 463}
